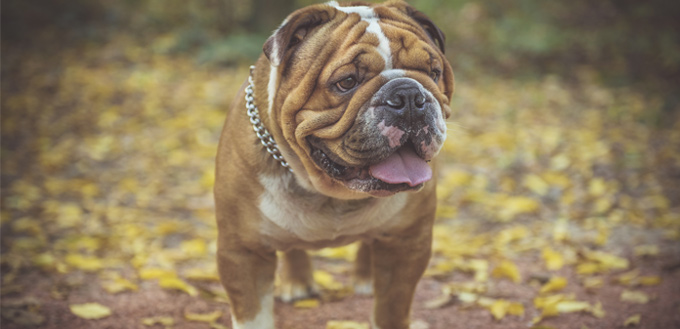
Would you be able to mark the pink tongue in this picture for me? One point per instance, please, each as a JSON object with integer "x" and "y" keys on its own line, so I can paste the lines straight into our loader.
{"x": 403, "y": 166}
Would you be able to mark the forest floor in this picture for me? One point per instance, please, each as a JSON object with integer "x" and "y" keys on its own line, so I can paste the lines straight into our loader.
{"x": 559, "y": 201}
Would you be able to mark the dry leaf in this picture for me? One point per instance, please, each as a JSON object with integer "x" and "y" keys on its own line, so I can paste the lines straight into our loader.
{"x": 507, "y": 269}
{"x": 177, "y": 284}
{"x": 326, "y": 280}
{"x": 637, "y": 297}
{"x": 553, "y": 259}
{"x": 632, "y": 321}
{"x": 555, "y": 284}
{"x": 90, "y": 311}
{"x": 307, "y": 303}
{"x": 203, "y": 317}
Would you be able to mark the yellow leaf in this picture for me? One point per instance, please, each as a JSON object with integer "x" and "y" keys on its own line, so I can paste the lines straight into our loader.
{"x": 650, "y": 280}
{"x": 548, "y": 304}
{"x": 513, "y": 206}
{"x": 508, "y": 270}
{"x": 333, "y": 324}
{"x": 603, "y": 262}
{"x": 90, "y": 311}
{"x": 177, "y": 284}
{"x": 572, "y": 306}
{"x": 561, "y": 230}
{"x": 467, "y": 297}
{"x": 156, "y": 273}
{"x": 456, "y": 178}
{"x": 588, "y": 268}
{"x": 347, "y": 252}
{"x": 480, "y": 268}
{"x": 555, "y": 284}
{"x": 69, "y": 215}
{"x": 557, "y": 179}
{"x": 499, "y": 308}
{"x": 536, "y": 184}
{"x": 601, "y": 205}
{"x": 597, "y": 187}
{"x": 560, "y": 162}
{"x": 446, "y": 211}
{"x": 592, "y": 283}
{"x": 646, "y": 250}
{"x": 632, "y": 321}
{"x": 307, "y": 303}
{"x": 162, "y": 320}
{"x": 628, "y": 278}
{"x": 85, "y": 263}
{"x": 194, "y": 248}
{"x": 201, "y": 274}
{"x": 117, "y": 285}
{"x": 511, "y": 234}
{"x": 637, "y": 297}
{"x": 203, "y": 317}
{"x": 597, "y": 311}
{"x": 326, "y": 280}
{"x": 553, "y": 259}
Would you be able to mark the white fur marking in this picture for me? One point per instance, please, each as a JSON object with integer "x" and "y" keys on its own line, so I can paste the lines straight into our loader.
{"x": 393, "y": 74}
{"x": 263, "y": 320}
{"x": 317, "y": 218}
{"x": 368, "y": 14}
{"x": 271, "y": 87}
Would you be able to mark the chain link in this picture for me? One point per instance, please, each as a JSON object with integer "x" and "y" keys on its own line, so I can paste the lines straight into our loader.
{"x": 262, "y": 133}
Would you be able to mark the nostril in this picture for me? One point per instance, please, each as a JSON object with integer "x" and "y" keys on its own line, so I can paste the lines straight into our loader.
{"x": 419, "y": 100}
{"x": 396, "y": 102}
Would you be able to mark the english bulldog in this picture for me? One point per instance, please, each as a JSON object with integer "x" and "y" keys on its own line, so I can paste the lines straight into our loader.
{"x": 332, "y": 140}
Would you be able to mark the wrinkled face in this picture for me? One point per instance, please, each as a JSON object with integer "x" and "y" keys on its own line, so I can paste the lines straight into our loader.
{"x": 361, "y": 97}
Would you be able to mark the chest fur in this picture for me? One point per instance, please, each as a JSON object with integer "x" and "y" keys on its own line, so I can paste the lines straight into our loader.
{"x": 297, "y": 218}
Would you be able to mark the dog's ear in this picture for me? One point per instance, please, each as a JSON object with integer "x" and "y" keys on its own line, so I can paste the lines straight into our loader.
{"x": 432, "y": 29}
{"x": 294, "y": 29}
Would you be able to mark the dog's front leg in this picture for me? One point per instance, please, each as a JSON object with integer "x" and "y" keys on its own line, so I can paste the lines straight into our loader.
{"x": 248, "y": 276}
{"x": 399, "y": 262}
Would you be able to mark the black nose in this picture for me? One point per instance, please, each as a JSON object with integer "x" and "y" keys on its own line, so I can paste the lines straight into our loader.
{"x": 403, "y": 102}
{"x": 406, "y": 97}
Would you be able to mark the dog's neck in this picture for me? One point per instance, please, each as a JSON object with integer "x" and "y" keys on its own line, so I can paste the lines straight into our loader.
{"x": 261, "y": 131}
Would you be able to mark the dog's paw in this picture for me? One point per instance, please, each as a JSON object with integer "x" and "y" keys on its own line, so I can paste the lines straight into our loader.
{"x": 363, "y": 287}
{"x": 292, "y": 291}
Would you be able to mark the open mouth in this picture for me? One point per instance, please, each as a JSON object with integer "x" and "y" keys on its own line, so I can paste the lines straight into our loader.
{"x": 401, "y": 171}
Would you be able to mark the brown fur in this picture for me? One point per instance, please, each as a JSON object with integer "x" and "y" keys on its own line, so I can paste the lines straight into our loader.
{"x": 396, "y": 250}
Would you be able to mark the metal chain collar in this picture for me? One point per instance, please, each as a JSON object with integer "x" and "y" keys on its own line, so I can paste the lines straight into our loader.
{"x": 262, "y": 133}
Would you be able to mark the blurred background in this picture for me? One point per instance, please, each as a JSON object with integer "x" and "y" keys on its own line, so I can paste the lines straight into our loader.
{"x": 565, "y": 135}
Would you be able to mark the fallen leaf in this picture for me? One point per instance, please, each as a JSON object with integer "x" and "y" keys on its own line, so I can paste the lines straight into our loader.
{"x": 637, "y": 297}
{"x": 307, "y": 303}
{"x": 203, "y": 317}
{"x": 499, "y": 308}
{"x": 553, "y": 259}
{"x": 90, "y": 311}
{"x": 156, "y": 273}
{"x": 326, "y": 280}
{"x": 632, "y": 321}
{"x": 507, "y": 269}
{"x": 513, "y": 206}
{"x": 555, "y": 284}
{"x": 177, "y": 284}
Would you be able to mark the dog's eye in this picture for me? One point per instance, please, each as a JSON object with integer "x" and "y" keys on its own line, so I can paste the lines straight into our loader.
{"x": 434, "y": 75}
{"x": 347, "y": 84}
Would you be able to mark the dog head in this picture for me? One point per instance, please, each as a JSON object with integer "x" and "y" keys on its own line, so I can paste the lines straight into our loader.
{"x": 357, "y": 96}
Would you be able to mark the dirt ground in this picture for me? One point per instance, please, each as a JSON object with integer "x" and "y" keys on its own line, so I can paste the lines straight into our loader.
{"x": 129, "y": 308}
